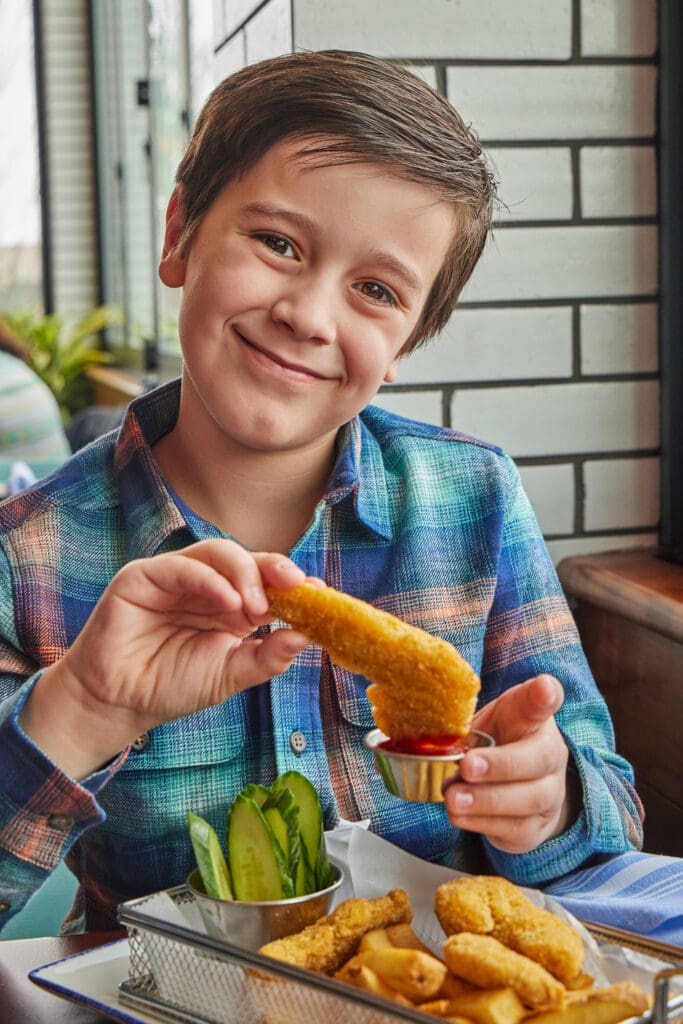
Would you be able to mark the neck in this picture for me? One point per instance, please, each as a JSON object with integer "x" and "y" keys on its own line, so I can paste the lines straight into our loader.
{"x": 265, "y": 500}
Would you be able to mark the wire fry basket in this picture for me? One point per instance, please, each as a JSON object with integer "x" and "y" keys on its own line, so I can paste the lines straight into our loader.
{"x": 179, "y": 974}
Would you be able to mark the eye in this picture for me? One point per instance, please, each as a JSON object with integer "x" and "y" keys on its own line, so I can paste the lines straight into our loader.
{"x": 277, "y": 244}
{"x": 377, "y": 292}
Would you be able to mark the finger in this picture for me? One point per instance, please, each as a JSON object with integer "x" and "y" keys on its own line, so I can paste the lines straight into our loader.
{"x": 513, "y": 835}
{"x": 521, "y": 710}
{"x": 167, "y": 581}
{"x": 534, "y": 756}
{"x": 512, "y": 800}
{"x": 247, "y": 572}
{"x": 514, "y": 817}
{"x": 258, "y": 660}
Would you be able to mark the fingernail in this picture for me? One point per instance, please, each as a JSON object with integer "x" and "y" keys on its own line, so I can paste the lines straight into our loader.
{"x": 462, "y": 800}
{"x": 478, "y": 766}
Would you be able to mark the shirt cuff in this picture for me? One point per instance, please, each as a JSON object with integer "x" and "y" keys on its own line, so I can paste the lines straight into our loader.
{"x": 598, "y": 829}
{"x": 42, "y": 810}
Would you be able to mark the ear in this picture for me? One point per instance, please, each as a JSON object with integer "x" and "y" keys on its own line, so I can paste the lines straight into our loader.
{"x": 173, "y": 261}
{"x": 392, "y": 372}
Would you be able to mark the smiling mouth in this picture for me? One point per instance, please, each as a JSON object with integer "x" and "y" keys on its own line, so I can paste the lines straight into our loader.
{"x": 294, "y": 368}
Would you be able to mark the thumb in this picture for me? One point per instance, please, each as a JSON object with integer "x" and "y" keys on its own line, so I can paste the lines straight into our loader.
{"x": 522, "y": 709}
{"x": 256, "y": 660}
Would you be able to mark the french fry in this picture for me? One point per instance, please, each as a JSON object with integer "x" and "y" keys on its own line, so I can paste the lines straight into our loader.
{"x": 364, "y": 977}
{"x": 377, "y": 938}
{"x": 414, "y": 974}
{"x": 489, "y": 1006}
{"x": 442, "y": 1008}
{"x": 454, "y": 986}
{"x": 605, "y": 1005}
{"x": 403, "y": 936}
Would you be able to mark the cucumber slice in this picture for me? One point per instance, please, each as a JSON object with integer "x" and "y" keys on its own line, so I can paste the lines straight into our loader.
{"x": 259, "y": 794}
{"x": 282, "y": 814}
{"x": 310, "y": 825}
{"x": 210, "y": 859}
{"x": 257, "y": 864}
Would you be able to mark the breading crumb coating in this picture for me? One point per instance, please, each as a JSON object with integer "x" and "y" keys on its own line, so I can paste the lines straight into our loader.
{"x": 325, "y": 945}
{"x": 486, "y": 962}
{"x": 421, "y": 684}
{"x": 489, "y": 905}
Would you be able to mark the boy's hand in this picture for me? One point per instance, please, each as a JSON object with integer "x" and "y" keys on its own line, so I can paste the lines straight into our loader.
{"x": 516, "y": 793}
{"x": 165, "y": 639}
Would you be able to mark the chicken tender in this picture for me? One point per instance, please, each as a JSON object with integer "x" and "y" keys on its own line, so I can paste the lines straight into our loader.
{"x": 421, "y": 686}
{"x": 489, "y": 905}
{"x": 325, "y": 945}
{"x": 486, "y": 962}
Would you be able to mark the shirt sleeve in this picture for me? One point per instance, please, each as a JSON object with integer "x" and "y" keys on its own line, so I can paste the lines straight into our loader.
{"x": 42, "y": 811}
{"x": 531, "y": 630}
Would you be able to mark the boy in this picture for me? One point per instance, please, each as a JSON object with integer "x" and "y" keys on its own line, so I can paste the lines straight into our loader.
{"x": 328, "y": 211}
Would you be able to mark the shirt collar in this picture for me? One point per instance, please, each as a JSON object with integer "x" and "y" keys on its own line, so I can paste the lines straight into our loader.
{"x": 153, "y": 514}
{"x": 360, "y": 473}
{"x": 148, "y": 507}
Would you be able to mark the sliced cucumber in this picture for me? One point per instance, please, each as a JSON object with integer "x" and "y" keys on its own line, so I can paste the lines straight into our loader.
{"x": 282, "y": 814}
{"x": 257, "y": 863}
{"x": 210, "y": 859}
{"x": 310, "y": 825}
{"x": 259, "y": 794}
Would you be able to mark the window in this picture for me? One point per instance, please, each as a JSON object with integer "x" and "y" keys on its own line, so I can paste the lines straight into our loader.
{"x": 20, "y": 229}
{"x": 142, "y": 99}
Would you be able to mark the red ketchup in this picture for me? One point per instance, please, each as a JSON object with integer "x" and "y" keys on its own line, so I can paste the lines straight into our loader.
{"x": 427, "y": 746}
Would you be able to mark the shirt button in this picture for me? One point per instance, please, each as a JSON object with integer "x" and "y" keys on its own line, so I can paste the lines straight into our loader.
{"x": 4, "y": 907}
{"x": 140, "y": 743}
{"x": 62, "y": 822}
{"x": 298, "y": 742}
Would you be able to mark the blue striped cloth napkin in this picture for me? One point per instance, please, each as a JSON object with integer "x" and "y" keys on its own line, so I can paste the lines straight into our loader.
{"x": 641, "y": 892}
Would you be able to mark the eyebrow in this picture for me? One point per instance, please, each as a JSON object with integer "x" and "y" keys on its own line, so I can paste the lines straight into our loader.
{"x": 260, "y": 209}
{"x": 304, "y": 223}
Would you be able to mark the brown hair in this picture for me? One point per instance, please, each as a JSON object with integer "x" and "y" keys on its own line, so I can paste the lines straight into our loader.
{"x": 354, "y": 108}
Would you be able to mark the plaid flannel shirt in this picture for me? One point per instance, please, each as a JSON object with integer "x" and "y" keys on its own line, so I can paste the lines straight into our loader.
{"x": 421, "y": 521}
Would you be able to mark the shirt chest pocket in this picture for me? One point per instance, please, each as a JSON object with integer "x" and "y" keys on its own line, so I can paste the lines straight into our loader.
{"x": 207, "y": 737}
{"x": 350, "y": 697}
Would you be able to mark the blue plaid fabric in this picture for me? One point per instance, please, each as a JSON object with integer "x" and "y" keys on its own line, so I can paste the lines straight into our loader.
{"x": 423, "y": 522}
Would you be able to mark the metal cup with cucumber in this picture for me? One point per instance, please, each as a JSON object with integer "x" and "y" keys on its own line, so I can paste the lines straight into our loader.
{"x": 274, "y": 841}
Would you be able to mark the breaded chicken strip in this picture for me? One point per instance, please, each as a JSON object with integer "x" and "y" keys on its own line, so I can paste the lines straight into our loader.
{"x": 494, "y": 906}
{"x": 325, "y": 945}
{"x": 421, "y": 685}
{"x": 488, "y": 963}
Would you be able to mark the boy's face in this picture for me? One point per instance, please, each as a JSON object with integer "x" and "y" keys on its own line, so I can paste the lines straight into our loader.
{"x": 300, "y": 287}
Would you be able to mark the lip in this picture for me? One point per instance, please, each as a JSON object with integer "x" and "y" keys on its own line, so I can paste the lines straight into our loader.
{"x": 294, "y": 369}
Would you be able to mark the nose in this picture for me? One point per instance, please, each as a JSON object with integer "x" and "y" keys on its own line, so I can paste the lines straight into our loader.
{"x": 305, "y": 306}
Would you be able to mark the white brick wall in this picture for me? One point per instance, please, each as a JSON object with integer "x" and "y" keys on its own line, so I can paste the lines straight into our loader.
{"x": 495, "y": 344}
{"x": 618, "y": 28}
{"x": 247, "y": 31}
{"x": 562, "y": 419}
{"x": 558, "y": 101}
{"x": 618, "y": 181}
{"x": 486, "y": 29}
{"x": 552, "y": 352}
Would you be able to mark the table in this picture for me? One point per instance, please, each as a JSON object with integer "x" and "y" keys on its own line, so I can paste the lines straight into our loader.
{"x": 22, "y": 1002}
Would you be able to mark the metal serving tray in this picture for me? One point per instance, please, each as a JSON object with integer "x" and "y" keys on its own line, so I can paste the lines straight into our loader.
{"x": 181, "y": 975}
